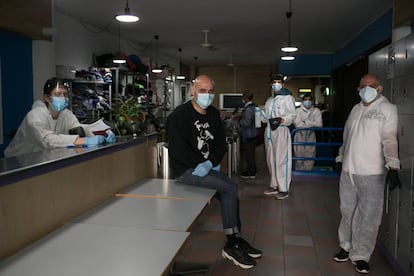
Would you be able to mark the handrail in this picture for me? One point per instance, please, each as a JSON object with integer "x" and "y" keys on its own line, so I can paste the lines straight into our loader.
{"x": 316, "y": 144}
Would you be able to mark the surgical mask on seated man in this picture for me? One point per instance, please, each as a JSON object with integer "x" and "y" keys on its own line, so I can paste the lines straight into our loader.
{"x": 204, "y": 100}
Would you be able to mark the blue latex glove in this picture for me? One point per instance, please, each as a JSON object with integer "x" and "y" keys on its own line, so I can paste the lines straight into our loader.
{"x": 217, "y": 168}
{"x": 203, "y": 168}
{"x": 110, "y": 138}
{"x": 94, "y": 140}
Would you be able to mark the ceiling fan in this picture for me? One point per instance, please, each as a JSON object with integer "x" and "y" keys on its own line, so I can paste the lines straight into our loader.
{"x": 206, "y": 43}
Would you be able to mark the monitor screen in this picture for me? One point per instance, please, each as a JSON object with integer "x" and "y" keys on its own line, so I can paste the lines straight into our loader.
{"x": 230, "y": 101}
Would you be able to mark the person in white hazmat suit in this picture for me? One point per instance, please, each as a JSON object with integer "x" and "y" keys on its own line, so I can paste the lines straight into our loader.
{"x": 279, "y": 114}
{"x": 48, "y": 123}
{"x": 306, "y": 116}
{"x": 368, "y": 159}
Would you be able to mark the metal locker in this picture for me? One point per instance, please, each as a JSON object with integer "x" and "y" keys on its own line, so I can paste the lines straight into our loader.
{"x": 390, "y": 68}
{"x": 406, "y": 134}
{"x": 400, "y": 57}
{"x": 410, "y": 265}
{"x": 387, "y": 87}
{"x": 388, "y": 228}
{"x": 378, "y": 63}
{"x": 404, "y": 236}
{"x": 404, "y": 245}
{"x": 409, "y": 63}
{"x": 403, "y": 94}
{"x": 405, "y": 193}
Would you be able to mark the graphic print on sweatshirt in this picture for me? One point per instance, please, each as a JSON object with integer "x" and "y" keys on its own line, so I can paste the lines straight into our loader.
{"x": 203, "y": 137}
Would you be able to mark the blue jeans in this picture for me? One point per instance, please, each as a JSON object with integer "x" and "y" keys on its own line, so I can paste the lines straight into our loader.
{"x": 227, "y": 194}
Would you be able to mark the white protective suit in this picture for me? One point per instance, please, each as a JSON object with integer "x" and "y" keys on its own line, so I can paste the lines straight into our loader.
{"x": 369, "y": 147}
{"x": 278, "y": 143}
{"x": 306, "y": 118}
{"x": 39, "y": 131}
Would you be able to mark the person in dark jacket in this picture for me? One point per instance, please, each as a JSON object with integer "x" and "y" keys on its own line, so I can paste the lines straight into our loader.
{"x": 196, "y": 146}
{"x": 249, "y": 134}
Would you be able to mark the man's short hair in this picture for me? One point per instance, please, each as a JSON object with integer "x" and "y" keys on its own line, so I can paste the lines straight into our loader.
{"x": 248, "y": 95}
{"x": 277, "y": 77}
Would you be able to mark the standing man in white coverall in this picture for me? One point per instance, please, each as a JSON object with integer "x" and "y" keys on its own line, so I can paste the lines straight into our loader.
{"x": 306, "y": 116}
{"x": 279, "y": 114}
{"x": 368, "y": 159}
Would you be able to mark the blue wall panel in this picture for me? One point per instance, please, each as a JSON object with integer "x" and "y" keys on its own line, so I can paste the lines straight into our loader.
{"x": 305, "y": 65}
{"x": 314, "y": 65}
{"x": 17, "y": 80}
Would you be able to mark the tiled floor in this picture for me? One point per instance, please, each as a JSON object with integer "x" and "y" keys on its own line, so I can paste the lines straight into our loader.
{"x": 298, "y": 235}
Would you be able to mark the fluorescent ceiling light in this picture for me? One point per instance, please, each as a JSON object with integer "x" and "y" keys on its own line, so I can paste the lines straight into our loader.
{"x": 156, "y": 70}
{"x": 119, "y": 60}
{"x": 180, "y": 77}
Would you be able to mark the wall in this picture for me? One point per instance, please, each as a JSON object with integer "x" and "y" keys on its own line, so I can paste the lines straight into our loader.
{"x": 256, "y": 79}
{"x": 36, "y": 13}
{"x": 17, "y": 80}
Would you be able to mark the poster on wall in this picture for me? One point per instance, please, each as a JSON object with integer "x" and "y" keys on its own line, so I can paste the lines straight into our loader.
{"x": 1, "y": 110}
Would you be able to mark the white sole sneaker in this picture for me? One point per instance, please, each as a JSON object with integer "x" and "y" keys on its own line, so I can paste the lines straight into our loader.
{"x": 227, "y": 256}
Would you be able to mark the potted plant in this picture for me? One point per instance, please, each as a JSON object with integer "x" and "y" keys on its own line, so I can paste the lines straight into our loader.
{"x": 130, "y": 118}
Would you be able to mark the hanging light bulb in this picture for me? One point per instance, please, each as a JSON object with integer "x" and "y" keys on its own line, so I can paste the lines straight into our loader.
{"x": 180, "y": 76}
{"x": 118, "y": 59}
{"x": 289, "y": 48}
{"x": 156, "y": 69}
{"x": 127, "y": 16}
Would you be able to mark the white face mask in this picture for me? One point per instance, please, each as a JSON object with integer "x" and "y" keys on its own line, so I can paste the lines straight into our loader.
{"x": 368, "y": 94}
{"x": 307, "y": 103}
{"x": 204, "y": 100}
{"x": 276, "y": 87}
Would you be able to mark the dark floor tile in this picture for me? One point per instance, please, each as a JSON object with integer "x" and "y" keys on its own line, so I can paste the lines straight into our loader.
{"x": 297, "y": 235}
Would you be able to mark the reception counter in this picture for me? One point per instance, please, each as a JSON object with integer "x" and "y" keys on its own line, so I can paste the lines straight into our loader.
{"x": 39, "y": 192}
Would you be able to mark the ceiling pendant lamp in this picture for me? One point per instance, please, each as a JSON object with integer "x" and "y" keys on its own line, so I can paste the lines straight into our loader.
{"x": 180, "y": 76}
{"x": 287, "y": 57}
{"x": 289, "y": 48}
{"x": 156, "y": 69}
{"x": 127, "y": 16}
{"x": 118, "y": 59}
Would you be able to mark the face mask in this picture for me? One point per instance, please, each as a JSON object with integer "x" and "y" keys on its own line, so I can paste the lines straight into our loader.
{"x": 368, "y": 94}
{"x": 307, "y": 103}
{"x": 59, "y": 103}
{"x": 276, "y": 86}
{"x": 204, "y": 100}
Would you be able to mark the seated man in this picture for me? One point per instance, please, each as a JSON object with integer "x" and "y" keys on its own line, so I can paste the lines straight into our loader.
{"x": 196, "y": 147}
{"x": 48, "y": 123}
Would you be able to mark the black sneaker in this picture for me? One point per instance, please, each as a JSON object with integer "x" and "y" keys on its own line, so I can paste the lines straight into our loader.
{"x": 250, "y": 250}
{"x": 271, "y": 191}
{"x": 246, "y": 175}
{"x": 282, "y": 195}
{"x": 342, "y": 256}
{"x": 238, "y": 256}
{"x": 361, "y": 266}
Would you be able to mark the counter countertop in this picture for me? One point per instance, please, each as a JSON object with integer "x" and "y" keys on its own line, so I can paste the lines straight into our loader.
{"x": 16, "y": 164}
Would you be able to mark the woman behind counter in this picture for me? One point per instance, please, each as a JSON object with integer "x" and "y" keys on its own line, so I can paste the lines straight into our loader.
{"x": 48, "y": 123}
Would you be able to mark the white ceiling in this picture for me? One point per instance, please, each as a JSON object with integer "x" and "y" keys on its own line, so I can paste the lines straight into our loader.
{"x": 244, "y": 31}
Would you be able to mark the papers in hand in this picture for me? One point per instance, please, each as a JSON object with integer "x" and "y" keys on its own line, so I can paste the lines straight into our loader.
{"x": 97, "y": 126}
